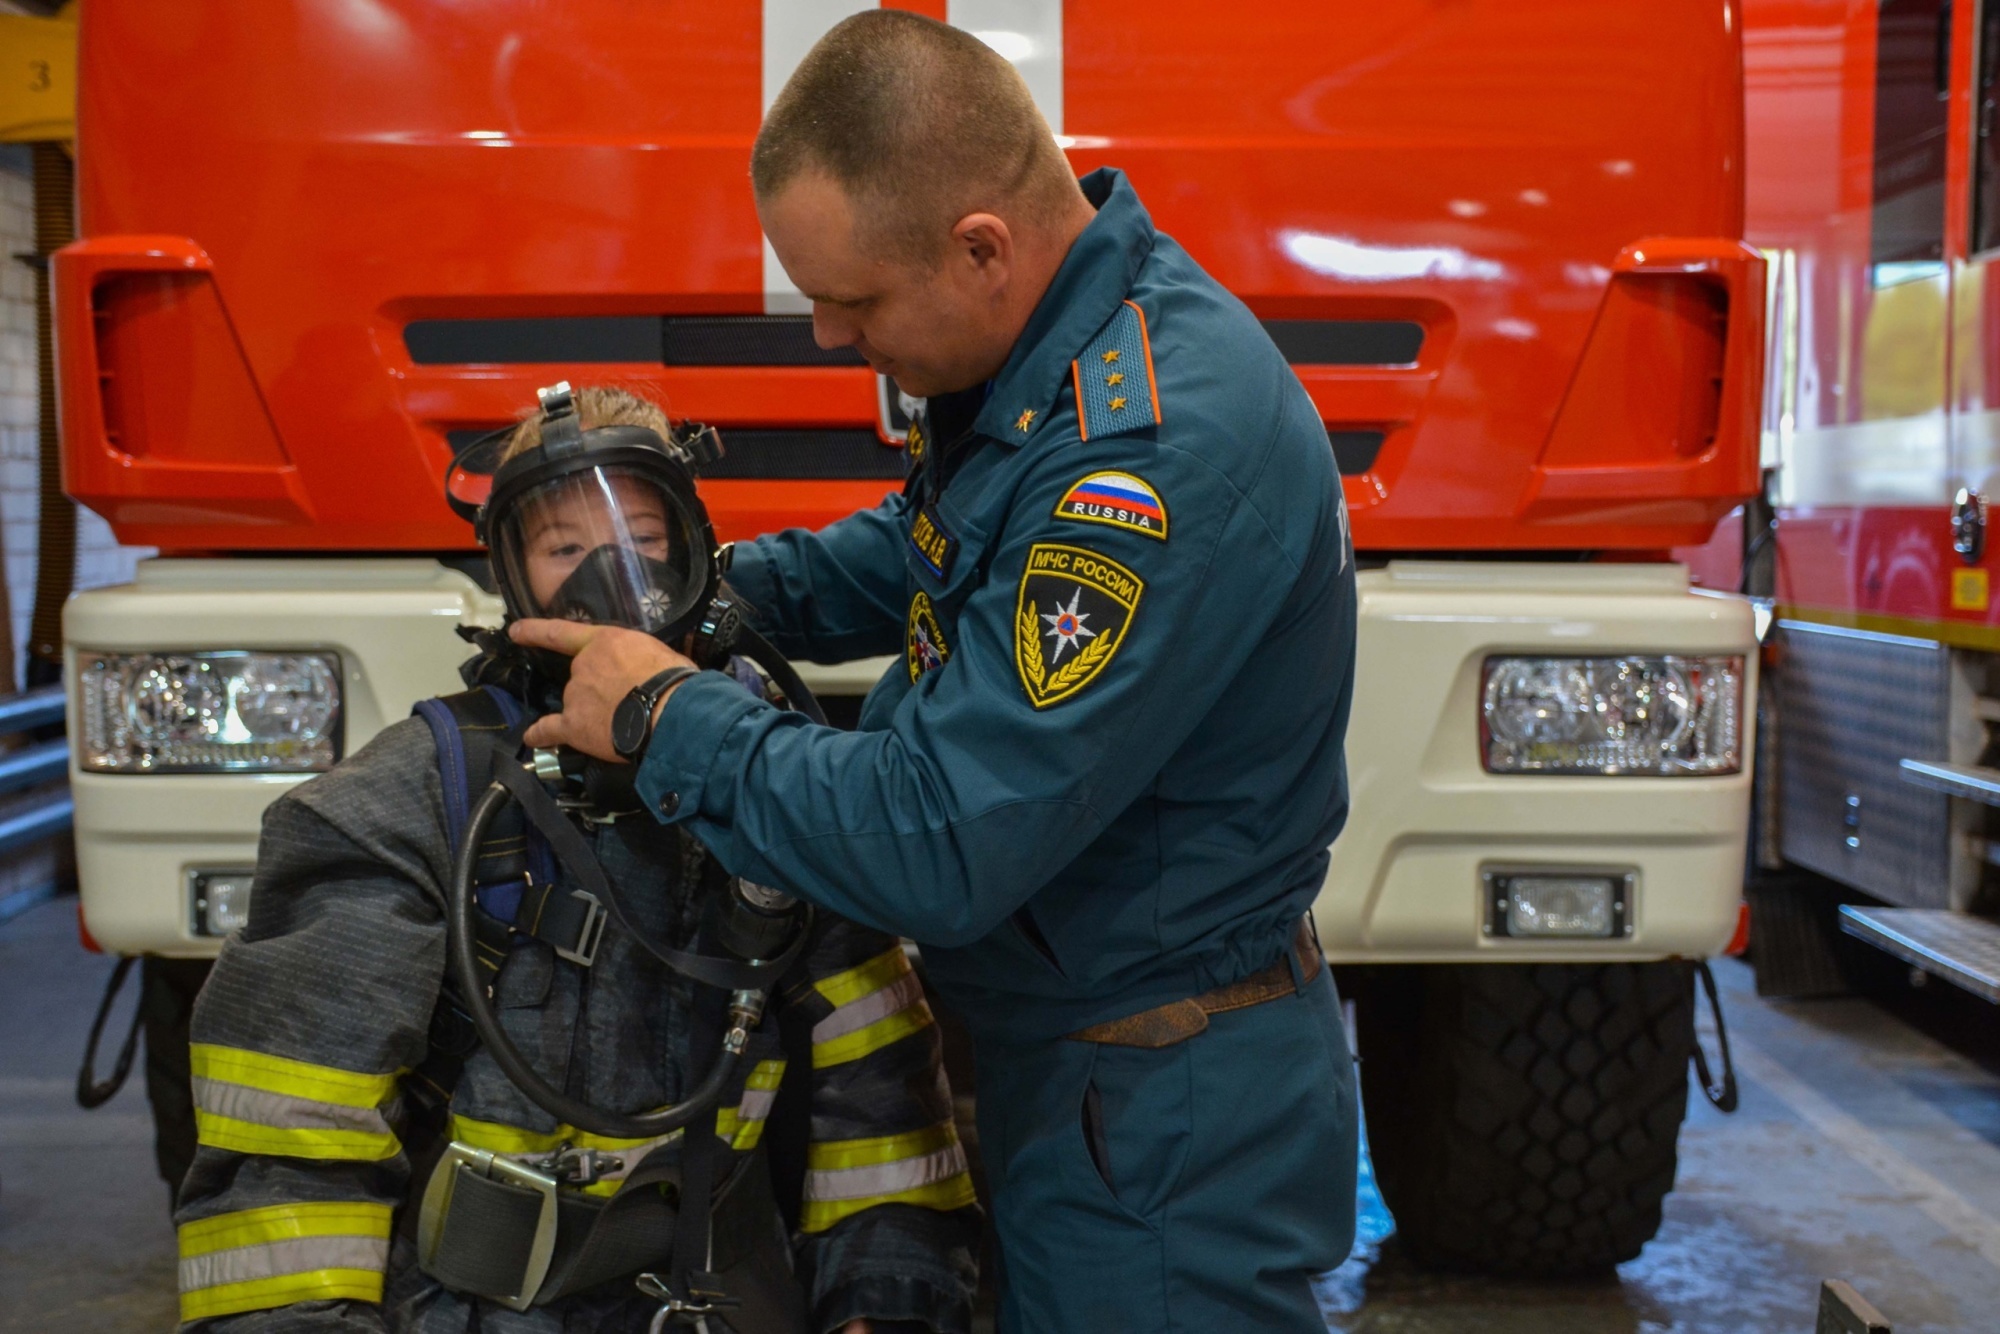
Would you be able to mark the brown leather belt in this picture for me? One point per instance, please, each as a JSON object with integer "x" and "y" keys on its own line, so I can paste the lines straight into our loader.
{"x": 1177, "y": 1021}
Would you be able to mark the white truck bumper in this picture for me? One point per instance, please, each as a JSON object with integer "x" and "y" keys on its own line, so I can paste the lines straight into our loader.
{"x": 1406, "y": 881}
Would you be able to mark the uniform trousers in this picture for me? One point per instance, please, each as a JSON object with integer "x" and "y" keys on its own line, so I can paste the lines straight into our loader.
{"x": 1197, "y": 1187}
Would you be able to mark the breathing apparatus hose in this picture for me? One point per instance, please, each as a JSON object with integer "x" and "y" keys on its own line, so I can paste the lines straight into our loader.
{"x": 745, "y": 1006}
{"x": 761, "y": 651}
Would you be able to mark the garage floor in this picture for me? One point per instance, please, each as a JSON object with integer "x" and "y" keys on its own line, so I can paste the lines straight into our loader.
{"x": 1866, "y": 1149}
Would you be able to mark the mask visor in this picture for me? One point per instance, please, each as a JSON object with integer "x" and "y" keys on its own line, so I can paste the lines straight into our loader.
{"x": 605, "y": 545}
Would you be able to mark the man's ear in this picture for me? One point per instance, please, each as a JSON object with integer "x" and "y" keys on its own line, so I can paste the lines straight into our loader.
{"x": 983, "y": 242}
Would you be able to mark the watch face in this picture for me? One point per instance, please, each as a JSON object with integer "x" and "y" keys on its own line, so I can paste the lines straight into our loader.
{"x": 628, "y": 724}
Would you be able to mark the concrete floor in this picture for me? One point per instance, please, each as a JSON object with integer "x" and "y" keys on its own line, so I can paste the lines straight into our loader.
{"x": 1866, "y": 1149}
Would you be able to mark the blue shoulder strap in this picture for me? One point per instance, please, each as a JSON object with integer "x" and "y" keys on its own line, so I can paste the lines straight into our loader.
{"x": 448, "y": 733}
{"x": 464, "y": 776}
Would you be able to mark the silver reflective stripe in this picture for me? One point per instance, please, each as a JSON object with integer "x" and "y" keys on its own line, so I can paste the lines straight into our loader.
{"x": 756, "y": 1104}
{"x": 275, "y": 1259}
{"x": 240, "y": 1102}
{"x": 792, "y": 28}
{"x": 904, "y": 992}
{"x": 1030, "y": 34}
{"x": 858, "y": 1183}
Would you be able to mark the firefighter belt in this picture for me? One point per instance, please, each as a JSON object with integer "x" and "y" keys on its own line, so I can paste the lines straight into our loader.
{"x": 514, "y": 1234}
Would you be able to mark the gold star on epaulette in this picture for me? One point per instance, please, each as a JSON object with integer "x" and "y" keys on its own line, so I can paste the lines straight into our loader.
{"x": 1025, "y": 420}
{"x": 1116, "y": 377}
{"x": 1117, "y": 403}
{"x": 1111, "y": 356}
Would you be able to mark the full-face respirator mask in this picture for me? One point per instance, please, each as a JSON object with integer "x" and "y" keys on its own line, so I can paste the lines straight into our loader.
{"x": 601, "y": 526}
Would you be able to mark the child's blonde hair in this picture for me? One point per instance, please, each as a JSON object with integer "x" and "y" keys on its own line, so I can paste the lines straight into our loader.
{"x": 596, "y": 405}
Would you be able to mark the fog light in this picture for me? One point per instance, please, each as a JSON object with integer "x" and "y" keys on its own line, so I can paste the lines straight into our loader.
{"x": 221, "y": 901}
{"x": 1558, "y": 904}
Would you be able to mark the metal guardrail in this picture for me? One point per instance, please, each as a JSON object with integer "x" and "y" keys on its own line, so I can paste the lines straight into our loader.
{"x": 32, "y": 708}
{"x": 31, "y": 766}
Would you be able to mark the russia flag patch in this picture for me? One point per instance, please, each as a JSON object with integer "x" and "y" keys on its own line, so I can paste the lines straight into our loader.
{"x": 1118, "y": 499}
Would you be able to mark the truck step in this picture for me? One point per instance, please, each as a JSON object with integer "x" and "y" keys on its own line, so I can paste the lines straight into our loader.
{"x": 1962, "y": 949}
{"x": 1969, "y": 781}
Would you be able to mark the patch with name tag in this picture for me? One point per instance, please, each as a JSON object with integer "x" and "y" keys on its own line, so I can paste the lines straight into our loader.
{"x": 924, "y": 647}
{"x": 1118, "y": 499}
{"x": 933, "y": 543}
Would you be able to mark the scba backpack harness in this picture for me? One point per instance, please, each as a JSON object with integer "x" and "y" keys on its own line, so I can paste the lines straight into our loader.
{"x": 519, "y": 1230}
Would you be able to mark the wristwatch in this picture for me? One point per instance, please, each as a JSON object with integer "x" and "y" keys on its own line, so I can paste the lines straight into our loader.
{"x": 632, "y": 720}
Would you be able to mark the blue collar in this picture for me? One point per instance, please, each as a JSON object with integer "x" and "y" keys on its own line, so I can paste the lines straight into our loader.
{"x": 1099, "y": 270}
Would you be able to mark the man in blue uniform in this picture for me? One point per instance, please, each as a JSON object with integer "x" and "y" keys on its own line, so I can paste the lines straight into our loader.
{"x": 1099, "y": 784}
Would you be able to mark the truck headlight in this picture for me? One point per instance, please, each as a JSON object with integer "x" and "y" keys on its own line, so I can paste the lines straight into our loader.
{"x": 1625, "y": 715}
{"x": 219, "y": 712}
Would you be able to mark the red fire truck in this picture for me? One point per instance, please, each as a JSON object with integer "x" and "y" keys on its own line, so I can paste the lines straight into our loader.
{"x": 1875, "y": 190}
{"x": 322, "y": 244}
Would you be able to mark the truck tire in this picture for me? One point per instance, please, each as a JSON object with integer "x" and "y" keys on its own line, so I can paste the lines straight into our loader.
{"x": 1523, "y": 1118}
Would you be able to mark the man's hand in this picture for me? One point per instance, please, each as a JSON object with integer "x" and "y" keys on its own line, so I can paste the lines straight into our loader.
{"x": 857, "y": 1326}
{"x": 609, "y": 661}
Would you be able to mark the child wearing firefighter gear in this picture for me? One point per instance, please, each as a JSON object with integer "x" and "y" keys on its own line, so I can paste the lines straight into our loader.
{"x": 1100, "y": 782}
{"x": 320, "y": 1045}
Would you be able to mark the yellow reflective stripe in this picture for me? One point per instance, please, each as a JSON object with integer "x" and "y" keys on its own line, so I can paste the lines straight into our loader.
{"x": 837, "y": 1154}
{"x": 952, "y": 1193}
{"x": 742, "y": 1133}
{"x": 225, "y": 1132}
{"x": 317, "y": 1285}
{"x": 282, "y": 1222}
{"x": 852, "y": 985}
{"x": 741, "y": 1129}
{"x": 295, "y": 1079}
{"x": 866, "y": 1041}
{"x": 502, "y": 1138}
{"x": 272, "y": 1237}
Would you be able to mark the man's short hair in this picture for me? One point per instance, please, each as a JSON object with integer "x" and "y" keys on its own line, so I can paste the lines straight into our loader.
{"x": 920, "y": 123}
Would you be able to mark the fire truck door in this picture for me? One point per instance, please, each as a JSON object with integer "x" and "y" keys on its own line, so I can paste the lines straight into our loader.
{"x": 1975, "y": 334}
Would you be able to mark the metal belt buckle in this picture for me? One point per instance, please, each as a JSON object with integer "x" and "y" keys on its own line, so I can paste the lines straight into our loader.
{"x": 585, "y": 950}
{"x": 436, "y": 1209}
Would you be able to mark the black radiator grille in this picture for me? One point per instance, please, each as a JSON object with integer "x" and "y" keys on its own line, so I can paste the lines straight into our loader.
{"x": 1347, "y": 342}
{"x": 786, "y": 340}
{"x": 672, "y": 340}
{"x": 756, "y": 454}
{"x": 1354, "y": 451}
{"x": 813, "y": 456}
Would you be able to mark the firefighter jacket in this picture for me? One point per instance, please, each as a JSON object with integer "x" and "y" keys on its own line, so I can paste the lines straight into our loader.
{"x": 317, "y": 1013}
{"x": 1105, "y": 770}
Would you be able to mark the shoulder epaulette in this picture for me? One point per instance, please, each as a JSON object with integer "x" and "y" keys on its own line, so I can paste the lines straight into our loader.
{"x": 1115, "y": 390}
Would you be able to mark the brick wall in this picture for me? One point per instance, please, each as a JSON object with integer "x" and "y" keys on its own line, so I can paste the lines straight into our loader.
{"x": 99, "y": 558}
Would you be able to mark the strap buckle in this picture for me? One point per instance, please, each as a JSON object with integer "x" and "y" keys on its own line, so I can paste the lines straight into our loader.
{"x": 584, "y": 951}
{"x": 573, "y": 1166}
{"x": 461, "y": 1161}
{"x": 705, "y": 1297}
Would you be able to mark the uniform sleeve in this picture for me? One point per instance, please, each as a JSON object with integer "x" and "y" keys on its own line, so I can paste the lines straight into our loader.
{"x": 299, "y": 1039}
{"x": 998, "y": 769}
{"x": 889, "y": 1221}
{"x": 830, "y": 596}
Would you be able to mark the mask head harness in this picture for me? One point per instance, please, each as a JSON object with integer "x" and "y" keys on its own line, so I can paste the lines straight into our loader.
{"x": 601, "y": 525}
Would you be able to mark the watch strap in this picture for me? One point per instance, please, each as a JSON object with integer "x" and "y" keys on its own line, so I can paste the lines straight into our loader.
{"x": 648, "y": 693}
